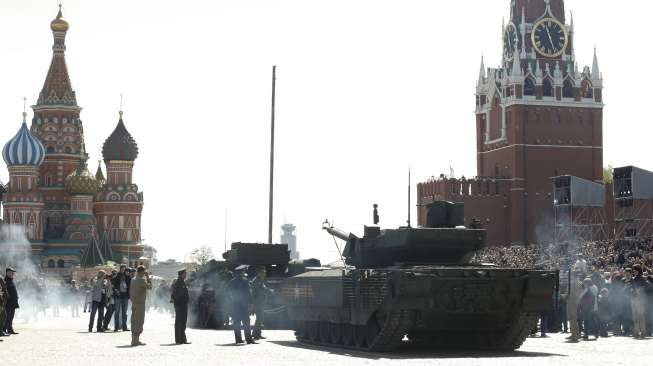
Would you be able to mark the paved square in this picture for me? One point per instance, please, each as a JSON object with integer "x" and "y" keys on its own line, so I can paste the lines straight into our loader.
{"x": 64, "y": 341}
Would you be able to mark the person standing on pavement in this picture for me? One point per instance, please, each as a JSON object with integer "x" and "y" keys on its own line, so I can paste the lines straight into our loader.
{"x": 638, "y": 287}
{"x": 572, "y": 302}
{"x": 260, "y": 293}
{"x": 12, "y": 301}
{"x": 3, "y": 302}
{"x": 110, "y": 300}
{"x": 240, "y": 297}
{"x": 99, "y": 291}
{"x": 138, "y": 294}
{"x": 179, "y": 298}
{"x": 121, "y": 299}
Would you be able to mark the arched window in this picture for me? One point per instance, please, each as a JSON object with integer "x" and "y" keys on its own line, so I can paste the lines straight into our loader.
{"x": 48, "y": 180}
{"x": 529, "y": 86}
{"x": 547, "y": 88}
{"x": 50, "y": 149}
{"x": 60, "y": 263}
{"x": 51, "y": 263}
{"x": 68, "y": 150}
{"x": 568, "y": 89}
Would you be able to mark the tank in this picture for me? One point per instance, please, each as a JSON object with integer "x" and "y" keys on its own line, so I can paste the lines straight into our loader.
{"x": 207, "y": 285}
{"x": 418, "y": 283}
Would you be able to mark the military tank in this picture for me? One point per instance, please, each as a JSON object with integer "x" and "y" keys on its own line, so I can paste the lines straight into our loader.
{"x": 417, "y": 283}
{"x": 208, "y": 299}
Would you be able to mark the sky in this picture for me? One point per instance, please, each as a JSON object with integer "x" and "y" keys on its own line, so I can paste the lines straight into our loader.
{"x": 365, "y": 89}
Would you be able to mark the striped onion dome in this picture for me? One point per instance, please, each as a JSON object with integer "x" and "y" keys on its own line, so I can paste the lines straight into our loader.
{"x": 23, "y": 149}
{"x": 81, "y": 181}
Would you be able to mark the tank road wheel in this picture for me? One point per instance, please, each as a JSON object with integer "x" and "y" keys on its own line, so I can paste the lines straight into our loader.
{"x": 347, "y": 335}
{"x": 324, "y": 333}
{"x": 360, "y": 336}
{"x": 300, "y": 330}
{"x": 312, "y": 331}
{"x": 335, "y": 333}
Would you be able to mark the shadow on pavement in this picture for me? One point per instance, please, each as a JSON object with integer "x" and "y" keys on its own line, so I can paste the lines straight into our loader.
{"x": 406, "y": 352}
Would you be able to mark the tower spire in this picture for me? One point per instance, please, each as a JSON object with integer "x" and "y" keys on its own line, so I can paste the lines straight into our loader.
{"x": 481, "y": 72}
{"x": 596, "y": 73}
{"x": 516, "y": 65}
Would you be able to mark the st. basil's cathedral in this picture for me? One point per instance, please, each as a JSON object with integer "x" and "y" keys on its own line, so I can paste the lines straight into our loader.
{"x": 69, "y": 215}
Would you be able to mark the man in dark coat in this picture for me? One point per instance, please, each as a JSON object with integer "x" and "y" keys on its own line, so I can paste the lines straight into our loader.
{"x": 240, "y": 297}
{"x": 121, "y": 283}
{"x": 260, "y": 293}
{"x": 12, "y": 302}
{"x": 179, "y": 298}
{"x": 3, "y": 301}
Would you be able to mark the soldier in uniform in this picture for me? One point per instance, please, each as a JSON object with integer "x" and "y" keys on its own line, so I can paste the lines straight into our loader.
{"x": 575, "y": 290}
{"x": 11, "y": 304}
{"x": 3, "y": 301}
{"x": 260, "y": 293}
{"x": 138, "y": 293}
{"x": 179, "y": 298}
{"x": 241, "y": 301}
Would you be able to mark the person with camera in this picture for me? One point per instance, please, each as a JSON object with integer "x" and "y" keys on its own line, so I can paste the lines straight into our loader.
{"x": 138, "y": 293}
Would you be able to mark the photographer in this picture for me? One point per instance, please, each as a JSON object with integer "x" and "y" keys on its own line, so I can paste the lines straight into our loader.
{"x": 138, "y": 294}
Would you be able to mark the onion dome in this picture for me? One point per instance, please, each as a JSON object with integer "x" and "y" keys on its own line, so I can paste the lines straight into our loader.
{"x": 24, "y": 148}
{"x": 58, "y": 24}
{"x": 120, "y": 145}
{"x": 81, "y": 182}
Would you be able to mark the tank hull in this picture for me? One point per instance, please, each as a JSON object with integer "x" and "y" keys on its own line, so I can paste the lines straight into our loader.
{"x": 477, "y": 307}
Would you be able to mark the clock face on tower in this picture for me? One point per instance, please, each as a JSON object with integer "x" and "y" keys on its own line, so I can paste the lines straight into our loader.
{"x": 510, "y": 41}
{"x": 549, "y": 37}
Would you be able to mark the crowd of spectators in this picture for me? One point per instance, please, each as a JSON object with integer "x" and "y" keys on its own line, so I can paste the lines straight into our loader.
{"x": 605, "y": 286}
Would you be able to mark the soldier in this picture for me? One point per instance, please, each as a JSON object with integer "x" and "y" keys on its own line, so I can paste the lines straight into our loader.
{"x": 11, "y": 304}
{"x": 572, "y": 302}
{"x": 241, "y": 302}
{"x": 3, "y": 301}
{"x": 260, "y": 293}
{"x": 179, "y": 298}
{"x": 138, "y": 293}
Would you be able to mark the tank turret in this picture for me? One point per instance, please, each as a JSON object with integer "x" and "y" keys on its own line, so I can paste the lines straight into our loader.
{"x": 442, "y": 241}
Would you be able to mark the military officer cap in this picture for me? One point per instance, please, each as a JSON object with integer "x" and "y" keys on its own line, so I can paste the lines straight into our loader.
{"x": 181, "y": 271}
{"x": 9, "y": 269}
{"x": 241, "y": 268}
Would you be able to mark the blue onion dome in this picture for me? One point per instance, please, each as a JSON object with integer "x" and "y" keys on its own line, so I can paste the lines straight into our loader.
{"x": 24, "y": 148}
{"x": 81, "y": 181}
{"x": 120, "y": 145}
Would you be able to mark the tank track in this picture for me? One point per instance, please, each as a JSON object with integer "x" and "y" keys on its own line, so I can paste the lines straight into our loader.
{"x": 383, "y": 333}
{"x": 508, "y": 340}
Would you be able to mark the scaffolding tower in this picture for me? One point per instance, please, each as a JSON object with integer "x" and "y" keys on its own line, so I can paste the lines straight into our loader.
{"x": 579, "y": 210}
{"x": 633, "y": 203}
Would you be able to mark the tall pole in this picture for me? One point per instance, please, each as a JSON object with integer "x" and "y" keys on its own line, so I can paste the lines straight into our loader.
{"x": 408, "y": 196}
{"x": 226, "y": 211}
{"x": 271, "y": 204}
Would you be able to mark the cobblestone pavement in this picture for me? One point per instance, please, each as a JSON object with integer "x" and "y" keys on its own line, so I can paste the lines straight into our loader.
{"x": 63, "y": 341}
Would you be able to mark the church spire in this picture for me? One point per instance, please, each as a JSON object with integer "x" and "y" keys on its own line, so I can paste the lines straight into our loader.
{"x": 57, "y": 89}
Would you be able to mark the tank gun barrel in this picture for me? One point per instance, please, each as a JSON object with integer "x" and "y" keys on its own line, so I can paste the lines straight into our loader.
{"x": 335, "y": 232}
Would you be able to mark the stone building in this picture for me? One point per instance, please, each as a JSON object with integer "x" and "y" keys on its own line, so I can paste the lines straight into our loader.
{"x": 63, "y": 208}
{"x": 538, "y": 116}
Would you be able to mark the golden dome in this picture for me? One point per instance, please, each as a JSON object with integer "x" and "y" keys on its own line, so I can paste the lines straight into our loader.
{"x": 58, "y": 24}
{"x": 81, "y": 182}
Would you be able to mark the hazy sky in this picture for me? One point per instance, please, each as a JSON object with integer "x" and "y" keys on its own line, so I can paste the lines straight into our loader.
{"x": 364, "y": 89}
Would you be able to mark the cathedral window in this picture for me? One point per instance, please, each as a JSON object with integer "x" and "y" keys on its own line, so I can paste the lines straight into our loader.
{"x": 51, "y": 263}
{"x": 547, "y": 88}
{"x": 50, "y": 149}
{"x": 579, "y": 118}
{"x": 529, "y": 86}
{"x": 60, "y": 263}
{"x": 568, "y": 89}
